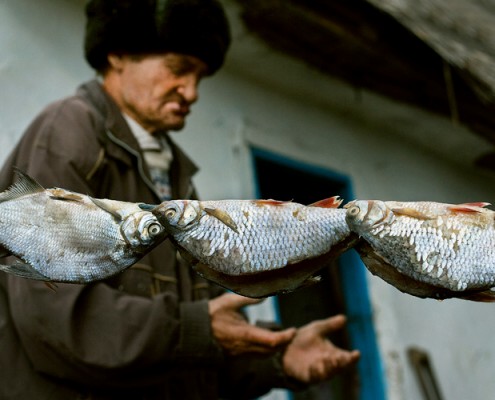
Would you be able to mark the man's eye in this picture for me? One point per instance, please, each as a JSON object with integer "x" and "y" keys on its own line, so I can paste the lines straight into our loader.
{"x": 179, "y": 68}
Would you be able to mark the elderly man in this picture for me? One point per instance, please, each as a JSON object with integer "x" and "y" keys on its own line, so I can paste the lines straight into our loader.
{"x": 157, "y": 331}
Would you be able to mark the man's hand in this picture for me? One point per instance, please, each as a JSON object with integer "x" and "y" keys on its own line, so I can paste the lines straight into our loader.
{"x": 236, "y": 335}
{"x": 311, "y": 357}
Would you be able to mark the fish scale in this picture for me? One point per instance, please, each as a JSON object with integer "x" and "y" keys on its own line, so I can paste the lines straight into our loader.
{"x": 443, "y": 245}
{"x": 246, "y": 238}
{"x": 63, "y": 236}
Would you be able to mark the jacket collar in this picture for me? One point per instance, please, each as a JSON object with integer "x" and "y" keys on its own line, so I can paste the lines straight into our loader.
{"x": 113, "y": 121}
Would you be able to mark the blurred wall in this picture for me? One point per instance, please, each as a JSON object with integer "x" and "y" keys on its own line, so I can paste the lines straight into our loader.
{"x": 40, "y": 60}
{"x": 388, "y": 150}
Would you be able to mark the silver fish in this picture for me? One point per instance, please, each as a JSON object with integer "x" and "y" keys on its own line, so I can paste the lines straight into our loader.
{"x": 63, "y": 236}
{"x": 256, "y": 247}
{"x": 428, "y": 249}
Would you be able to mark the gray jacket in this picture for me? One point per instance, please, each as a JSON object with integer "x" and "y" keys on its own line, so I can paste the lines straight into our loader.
{"x": 144, "y": 334}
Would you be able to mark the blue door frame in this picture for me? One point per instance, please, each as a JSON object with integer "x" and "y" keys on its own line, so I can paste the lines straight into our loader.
{"x": 354, "y": 287}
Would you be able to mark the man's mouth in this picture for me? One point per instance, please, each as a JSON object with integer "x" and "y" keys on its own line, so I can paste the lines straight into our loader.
{"x": 177, "y": 108}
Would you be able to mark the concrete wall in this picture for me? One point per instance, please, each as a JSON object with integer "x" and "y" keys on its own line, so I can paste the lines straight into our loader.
{"x": 41, "y": 59}
{"x": 388, "y": 150}
{"x": 381, "y": 164}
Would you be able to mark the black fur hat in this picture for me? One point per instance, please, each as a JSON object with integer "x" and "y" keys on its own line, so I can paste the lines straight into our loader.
{"x": 194, "y": 27}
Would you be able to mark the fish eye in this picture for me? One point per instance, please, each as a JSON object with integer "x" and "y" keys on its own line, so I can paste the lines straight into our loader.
{"x": 170, "y": 213}
{"x": 353, "y": 211}
{"x": 154, "y": 229}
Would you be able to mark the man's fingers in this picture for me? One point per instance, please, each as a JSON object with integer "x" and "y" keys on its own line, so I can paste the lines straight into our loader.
{"x": 329, "y": 325}
{"x": 269, "y": 339}
{"x": 331, "y": 365}
{"x": 262, "y": 341}
{"x": 342, "y": 358}
{"x": 234, "y": 301}
{"x": 354, "y": 356}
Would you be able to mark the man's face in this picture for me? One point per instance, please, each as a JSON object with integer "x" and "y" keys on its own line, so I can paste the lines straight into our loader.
{"x": 156, "y": 90}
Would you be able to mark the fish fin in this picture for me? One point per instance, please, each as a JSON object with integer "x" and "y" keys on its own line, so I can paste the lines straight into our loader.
{"x": 64, "y": 195}
{"x": 106, "y": 207}
{"x": 269, "y": 202}
{"x": 51, "y": 285}
{"x": 331, "y": 202}
{"x": 146, "y": 207}
{"x": 312, "y": 280}
{"x": 410, "y": 212}
{"x": 24, "y": 271}
{"x": 23, "y": 186}
{"x": 480, "y": 204}
{"x": 487, "y": 296}
{"x": 466, "y": 208}
{"x": 222, "y": 216}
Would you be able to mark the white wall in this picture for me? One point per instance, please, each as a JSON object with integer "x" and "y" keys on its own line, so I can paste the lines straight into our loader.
{"x": 41, "y": 60}
{"x": 388, "y": 150}
{"x": 381, "y": 164}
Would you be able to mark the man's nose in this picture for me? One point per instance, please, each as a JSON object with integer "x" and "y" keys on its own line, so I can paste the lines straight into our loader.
{"x": 189, "y": 89}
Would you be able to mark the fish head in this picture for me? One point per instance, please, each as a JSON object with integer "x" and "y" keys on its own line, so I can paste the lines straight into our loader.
{"x": 364, "y": 215}
{"x": 141, "y": 230}
{"x": 178, "y": 215}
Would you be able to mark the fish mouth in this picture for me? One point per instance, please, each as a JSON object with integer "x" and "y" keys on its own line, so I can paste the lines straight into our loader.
{"x": 167, "y": 213}
{"x": 141, "y": 229}
{"x": 190, "y": 214}
{"x": 177, "y": 216}
{"x": 378, "y": 214}
{"x": 364, "y": 215}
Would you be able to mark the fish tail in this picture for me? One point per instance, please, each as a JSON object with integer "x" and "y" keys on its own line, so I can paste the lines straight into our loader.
{"x": 24, "y": 271}
{"x": 23, "y": 186}
{"x": 487, "y": 296}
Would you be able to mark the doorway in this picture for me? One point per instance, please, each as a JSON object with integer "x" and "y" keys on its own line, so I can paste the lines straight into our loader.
{"x": 342, "y": 288}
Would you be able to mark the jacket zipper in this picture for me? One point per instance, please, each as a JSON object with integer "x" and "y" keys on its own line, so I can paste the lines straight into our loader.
{"x": 128, "y": 148}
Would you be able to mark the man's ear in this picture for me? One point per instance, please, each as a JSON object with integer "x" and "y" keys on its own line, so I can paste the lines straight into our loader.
{"x": 116, "y": 61}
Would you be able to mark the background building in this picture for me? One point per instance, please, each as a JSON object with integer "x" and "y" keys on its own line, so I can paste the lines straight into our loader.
{"x": 359, "y": 99}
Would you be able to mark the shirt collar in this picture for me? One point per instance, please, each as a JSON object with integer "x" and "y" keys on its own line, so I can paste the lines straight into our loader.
{"x": 145, "y": 139}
